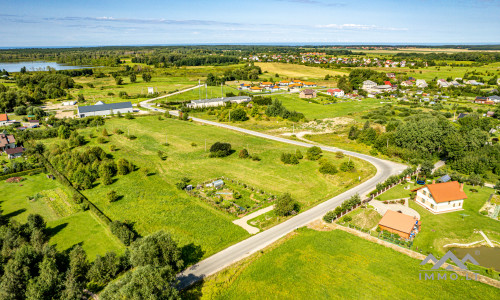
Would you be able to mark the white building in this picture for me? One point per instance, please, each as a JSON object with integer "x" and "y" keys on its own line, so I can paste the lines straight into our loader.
{"x": 368, "y": 84}
{"x": 217, "y": 101}
{"x": 335, "y": 92}
{"x": 421, "y": 83}
{"x": 102, "y": 109}
{"x": 441, "y": 197}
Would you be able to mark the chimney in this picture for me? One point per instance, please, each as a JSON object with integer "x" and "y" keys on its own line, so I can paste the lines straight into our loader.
{"x": 461, "y": 187}
{"x": 434, "y": 182}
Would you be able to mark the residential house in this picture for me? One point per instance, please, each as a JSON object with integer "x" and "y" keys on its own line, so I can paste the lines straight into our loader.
{"x": 309, "y": 84}
{"x": 368, "y": 84}
{"x": 266, "y": 84}
{"x": 495, "y": 98}
{"x": 403, "y": 225}
{"x": 441, "y": 197}
{"x": 14, "y": 152}
{"x": 421, "y": 83}
{"x": 256, "y": 89}
{"x": 274, "y": 88}
{"x": 483, "y": 100}
{"x": 307, "y": 94}
{"x": 443, "y": 83}
{"x": 284, "y": 83}
{"x": 4, "y": 119}
{"x": 244, "y": 86}
{"x": 390, "y": 75}
{"x": 335, "y": 92}
{"x": 407, "y": 83}
{"x": 7, "y": 141}
{"x": 387, "y": 82}
{"x": 104, "y": 109}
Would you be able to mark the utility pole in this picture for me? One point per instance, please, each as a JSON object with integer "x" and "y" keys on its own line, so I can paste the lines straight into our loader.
{"x": 229, "y": 116}
{"x": 206, "y": 91}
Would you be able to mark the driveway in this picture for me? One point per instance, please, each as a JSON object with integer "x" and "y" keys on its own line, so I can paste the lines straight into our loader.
{"x": 382, "y": 208}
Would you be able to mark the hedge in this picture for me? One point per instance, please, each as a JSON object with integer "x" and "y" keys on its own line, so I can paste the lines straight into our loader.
{"x": 22, "y": 173}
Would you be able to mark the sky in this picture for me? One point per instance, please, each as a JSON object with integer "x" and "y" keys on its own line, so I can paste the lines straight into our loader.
{"x": 45, "y": 23}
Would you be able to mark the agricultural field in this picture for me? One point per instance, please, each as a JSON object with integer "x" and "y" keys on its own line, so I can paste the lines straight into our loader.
{"x": 68, "y": 224}
{"x": 294, "y": 71}
{"x": 310, "y": 264}
{"x": 150, "y": 200}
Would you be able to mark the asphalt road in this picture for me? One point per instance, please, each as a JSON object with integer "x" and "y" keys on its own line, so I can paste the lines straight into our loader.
{"x": 261, "y": 240}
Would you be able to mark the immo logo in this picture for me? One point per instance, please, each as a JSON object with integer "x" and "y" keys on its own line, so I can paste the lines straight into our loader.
{"x": 436, "y": 273}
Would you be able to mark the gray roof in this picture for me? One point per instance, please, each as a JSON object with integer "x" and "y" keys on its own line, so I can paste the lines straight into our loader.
{"x": 445, "y": 178}
{"x": 226, "y": 99}
{"x": 101, "y": 107}
{"x": 495, "y": 97}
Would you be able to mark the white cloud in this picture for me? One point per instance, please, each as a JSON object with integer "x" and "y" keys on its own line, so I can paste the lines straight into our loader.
{"x": 359, "y": 27}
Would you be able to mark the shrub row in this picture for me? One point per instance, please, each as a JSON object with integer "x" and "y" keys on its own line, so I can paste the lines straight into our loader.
{"x": 22, "y": 173}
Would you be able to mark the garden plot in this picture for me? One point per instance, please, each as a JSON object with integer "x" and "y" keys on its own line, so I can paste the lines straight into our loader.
{"x": 233, "y": 197}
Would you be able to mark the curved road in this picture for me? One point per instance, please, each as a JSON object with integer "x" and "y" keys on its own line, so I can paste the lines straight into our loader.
{"x": 261, "y": 240}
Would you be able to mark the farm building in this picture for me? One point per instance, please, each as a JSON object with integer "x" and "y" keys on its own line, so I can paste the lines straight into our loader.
{"x": 4, "y": 119}
{"x": 102, "y": 109}
{"x": 441, "y": 197}
{"x": 14, "y": 152}
{"x": 217, "y": 101}
{"x": 307, "y": 94}
{"x": 404, "y": 225}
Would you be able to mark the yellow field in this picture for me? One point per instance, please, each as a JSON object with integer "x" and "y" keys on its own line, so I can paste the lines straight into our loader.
{"x": 294, "y": 71}
{"x": 420, "y": 50}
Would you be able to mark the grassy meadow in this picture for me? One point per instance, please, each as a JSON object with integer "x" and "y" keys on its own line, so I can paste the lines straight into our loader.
{"x": 152, "y": 201}
{"x": 294, "y": 71}
{"x": 334, "y": 264}
{"x": 67, "y": 224}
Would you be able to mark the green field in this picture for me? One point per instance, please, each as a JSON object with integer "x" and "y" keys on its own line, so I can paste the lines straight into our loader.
{"x": 153, "y": 203}
{"x": 66, "y": 229}
{"x": 332, "y": 265}
{"x": 294, "y": 71}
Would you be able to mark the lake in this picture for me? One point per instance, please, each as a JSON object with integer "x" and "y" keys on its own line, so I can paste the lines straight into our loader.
{"x": 35, "y": 66}
{"x": 486, "y": 256}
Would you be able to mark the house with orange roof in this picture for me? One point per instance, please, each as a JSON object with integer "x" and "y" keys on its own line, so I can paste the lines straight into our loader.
{"x": 403, "y": 225}
{"x": 284, "y": 83}
{"x": 256, "y": 89}
{"x": 4, "y": 119}
{"x": 441, "y": 197}
{"x": 244, "y": 86}
{"x": 309, "y": 84}
{"x": 274, "y": 88}
{"x": 266, "y": 84}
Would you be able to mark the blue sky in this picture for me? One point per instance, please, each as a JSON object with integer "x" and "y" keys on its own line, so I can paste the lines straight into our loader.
{"x": 114, "y": 22}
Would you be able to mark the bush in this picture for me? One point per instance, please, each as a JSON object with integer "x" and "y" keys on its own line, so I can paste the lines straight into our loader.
{"x": 347, "y": 166}
{"x": 330, "y": 216}
{"x": 239, "y": 114}
{"x": 298, "y": 154}
{"x": 289, "y": 158}
{"x": 327, "y": 168}
{"x": 181, "y": 185}
{"x": 124, "y": 167}
{"x": 118, "y": 131}
{"x": 285, "y": 205}
{"x": 373, "y": 152}
{"x": 220, "y": 149}
{"x": 112, "y": 196}
{"x": 255, "y": 158}
{"x": 339, "y": 154}
{"x": 193, "y": 144}
{"x": 314, "y": 153}
{"x": 243, "y": 153}
{"x": 347, "y": 219}
{"x": 101, "y": 140}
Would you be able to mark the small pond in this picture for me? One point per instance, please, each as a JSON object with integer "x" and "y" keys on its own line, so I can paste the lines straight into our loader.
{"x": 487, "y": 257}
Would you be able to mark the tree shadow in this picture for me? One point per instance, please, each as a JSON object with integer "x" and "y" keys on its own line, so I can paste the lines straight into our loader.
{"x": 14, "y": 213}
{"x": 191, "y": 254}
{"x": 192, "y": 292}
{"x": 52, "y": 231}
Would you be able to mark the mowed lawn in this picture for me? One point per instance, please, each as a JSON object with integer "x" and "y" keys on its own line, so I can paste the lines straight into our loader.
{"x": 153, "y": 202}
{"x": 294, "y": 71}
{"x": 456, "y": 227}
{"x": 78, "y": 228}
{"x": 333, "y": 265}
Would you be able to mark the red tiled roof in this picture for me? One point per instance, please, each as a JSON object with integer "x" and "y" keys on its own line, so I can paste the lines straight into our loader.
{"x": 14, "y": 150}
{"x": 398, "y": 221}
{"x": 446, "y": 191}
{"x": 4, "y": 117}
